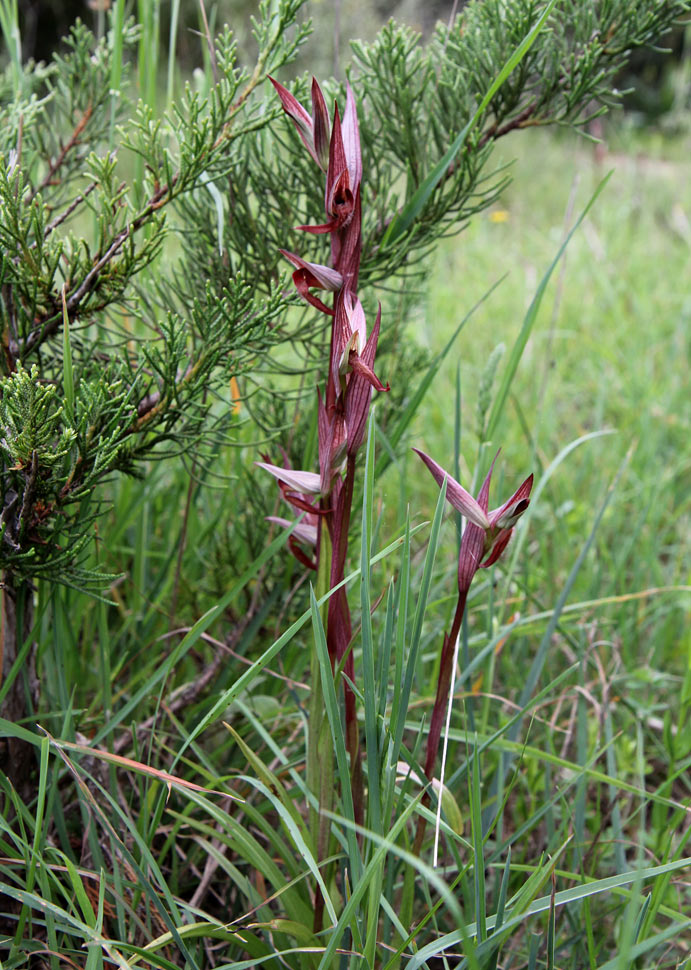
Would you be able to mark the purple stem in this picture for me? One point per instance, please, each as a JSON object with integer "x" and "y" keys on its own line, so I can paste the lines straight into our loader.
{"x": 440, "y": 702}
{"x": 443, "y": 686}
{"x": 339, "y": 630}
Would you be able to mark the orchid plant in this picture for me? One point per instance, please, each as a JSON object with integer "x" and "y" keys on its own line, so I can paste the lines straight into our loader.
{"x": 325, "y": 498}
{"x": 485, "y": 537}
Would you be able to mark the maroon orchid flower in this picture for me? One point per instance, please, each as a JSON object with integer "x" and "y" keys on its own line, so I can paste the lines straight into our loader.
{"x": 300, "y": 489}
{"x": 308, "y": 276}
{"x": 344, "y": 172}
{"x": 360, "y": 392}
{"x": 487, "y": 533}
{"x": 313, "y": 129}
{"x": 485, "y": 537}
{"x": 304, "y": 535}
{"x": 350, "y": 343}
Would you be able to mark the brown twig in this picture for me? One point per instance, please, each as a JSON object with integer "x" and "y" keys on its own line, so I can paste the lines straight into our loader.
{"x": 519, "y": 121}
{"x": 28, "y": 490}
{"x": 58, "y": 221}
{"x": 55, "y": 166}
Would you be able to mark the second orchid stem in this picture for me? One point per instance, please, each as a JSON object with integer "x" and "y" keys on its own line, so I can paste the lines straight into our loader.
{"x": 440, "y": 704}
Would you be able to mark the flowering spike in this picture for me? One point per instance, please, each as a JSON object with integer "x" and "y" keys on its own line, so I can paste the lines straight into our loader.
{"x": 486, "y": 535}
{"x": 461, "y": 500}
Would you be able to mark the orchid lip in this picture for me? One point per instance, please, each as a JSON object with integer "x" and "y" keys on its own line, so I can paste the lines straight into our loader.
{"x": 510, "y": 516}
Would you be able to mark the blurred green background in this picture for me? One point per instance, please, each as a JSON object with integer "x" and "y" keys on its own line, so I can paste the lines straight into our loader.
{"x": 658, "y": 84}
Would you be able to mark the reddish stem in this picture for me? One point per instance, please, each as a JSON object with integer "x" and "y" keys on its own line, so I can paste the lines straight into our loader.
{"x": 440, "y": 702}
{"x": 339, "y": 629}
{"x": 443, "y": 686}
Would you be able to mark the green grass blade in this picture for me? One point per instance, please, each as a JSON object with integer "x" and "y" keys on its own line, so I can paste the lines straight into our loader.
{"x": 245, "y": 679}
{"x": 369, "y": 687}
{"x": 640, "y": 919}
{"x": 478, "y": 847}
{"x": 298, "y": 839}
{"x": 675, "y": 931}
{"x": 384, "y": 658}
{"x": 38, "y": 840}
{"x": 172, "y": 39}
{"x": 551, "y": 927}
{"x": 117, "y": 26}
{"x": 270, "y": 782}
{"x": 401, "y": 702}
{"x": 542, "y": 904}
{"x": 191, "y": 638}
{"x": 529, "y": 321}
{"x": 9, "y": 23}
{"x": 401, "y": 636}
{"x": 541, "y": 655}
{"x": 67, "y": 919}
{"x": 412, "y": 405}
{"x": 384, "y": 846}
{"x": 501, "y": 906}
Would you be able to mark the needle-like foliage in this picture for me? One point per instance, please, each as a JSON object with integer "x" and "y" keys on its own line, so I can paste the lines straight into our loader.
{"x": 150, "y": 345}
